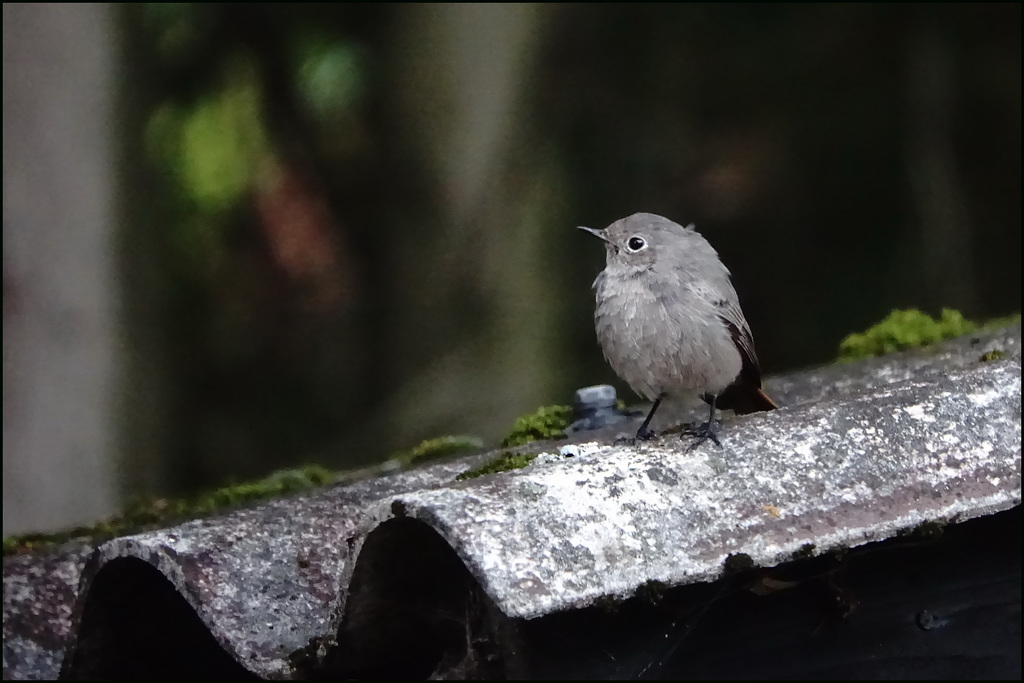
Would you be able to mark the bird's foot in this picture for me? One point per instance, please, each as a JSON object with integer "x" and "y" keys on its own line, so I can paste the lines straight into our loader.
{"x": 642, "y": 434}
{"x": 645, "y": 434}
{"x": 703, "y": 431}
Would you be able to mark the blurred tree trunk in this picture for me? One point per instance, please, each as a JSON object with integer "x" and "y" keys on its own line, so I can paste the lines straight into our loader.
{"x": 60, "y": 342}
{"x": 458, "y": 86}
{"x": 145, "y": 395}
{"x": 944, "y": 235}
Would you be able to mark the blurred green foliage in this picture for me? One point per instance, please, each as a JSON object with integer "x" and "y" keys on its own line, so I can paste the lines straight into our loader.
{"x": 329, "y": 75}
{"x": 309, "y": 277}
{"x": 213, "y": 150}
{"x": 221, "y": 144}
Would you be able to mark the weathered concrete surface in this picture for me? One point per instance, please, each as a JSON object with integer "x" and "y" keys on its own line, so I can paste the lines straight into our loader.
{"x": 39, "y": 593}
{"x": 563, "y": 533}
{"x": 266, "y": 581}
{"x": 857, "y": 453}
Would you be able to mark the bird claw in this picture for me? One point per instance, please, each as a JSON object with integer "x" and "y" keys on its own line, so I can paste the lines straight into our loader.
{"x": 646, "y": 434}
{"x": 704, "y": 431}
{"x": 641, "y": 435}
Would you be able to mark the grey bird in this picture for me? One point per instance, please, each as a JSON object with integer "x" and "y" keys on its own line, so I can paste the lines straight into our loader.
{"x": 669, "y": 321}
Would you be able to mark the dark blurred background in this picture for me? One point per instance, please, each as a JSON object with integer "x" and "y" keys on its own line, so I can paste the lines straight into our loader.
{"x": 240, "y": 237}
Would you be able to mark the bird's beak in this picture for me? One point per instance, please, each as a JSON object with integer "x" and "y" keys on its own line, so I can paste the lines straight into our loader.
{"x": 596, "y": 233}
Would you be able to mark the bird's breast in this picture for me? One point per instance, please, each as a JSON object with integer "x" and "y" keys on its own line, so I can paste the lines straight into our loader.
{"x": 663, "y": 340}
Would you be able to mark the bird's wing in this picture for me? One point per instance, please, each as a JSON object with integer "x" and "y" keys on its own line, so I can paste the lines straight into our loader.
{"x": 722, "y": 297}
{"x": 739, "y": 330}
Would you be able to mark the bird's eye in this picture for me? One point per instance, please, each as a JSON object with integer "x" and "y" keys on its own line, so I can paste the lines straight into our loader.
{"x": 636, "y": 243}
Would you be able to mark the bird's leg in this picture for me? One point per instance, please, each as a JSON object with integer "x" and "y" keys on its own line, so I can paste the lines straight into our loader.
{"x": 706, "y": 430}
{"x": 643, "y": 434}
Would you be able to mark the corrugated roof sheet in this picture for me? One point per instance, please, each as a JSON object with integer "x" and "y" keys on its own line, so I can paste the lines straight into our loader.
{"x": 858, "y": 453}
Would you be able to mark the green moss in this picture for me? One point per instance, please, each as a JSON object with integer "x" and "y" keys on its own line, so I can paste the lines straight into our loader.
{"x": 160, "y": 512}
{"x": 304, "y": 659}
{"x": 438, "y": 448}
{"x": 991, "y": 356}
{"x": 904, "y": 330}
{"x": 504, "y": 463}
{"x": 1001, "y": 322}
{"x": 652, "y": 591}
{"x": 549, "y": 422}
{"x": 608, "y": 604}
{"x": 26, "y": 543}
{"x": 912, "y": 328}
{"x": 925, "y": 531}
{"x": 839, "y": 552}
{"x": 280, "y": 483}
{"x": 805, "y": 551}
{"x": 738, "y": 563}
